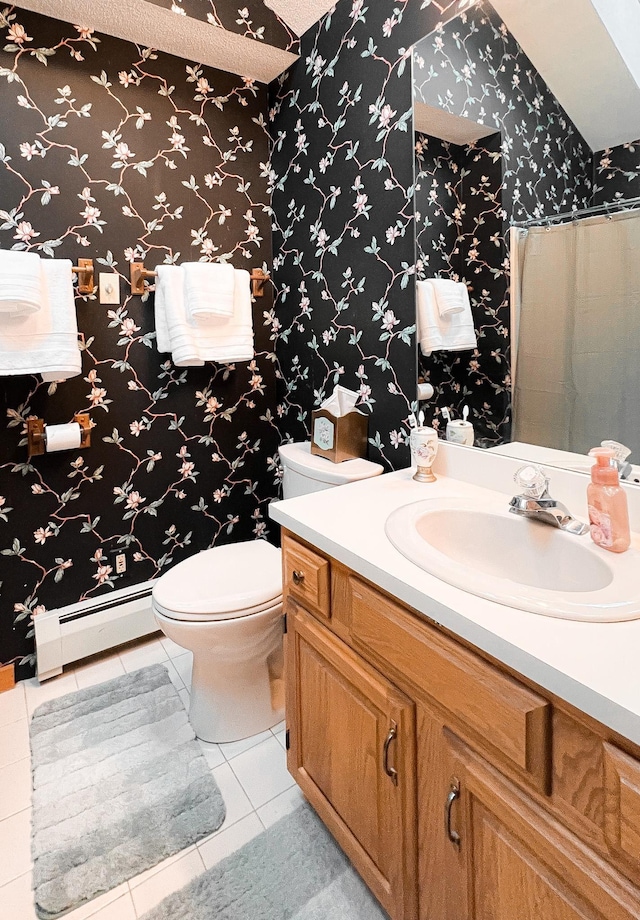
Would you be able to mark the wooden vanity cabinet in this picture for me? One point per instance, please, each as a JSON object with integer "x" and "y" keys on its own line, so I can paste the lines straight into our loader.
{"x": 458, "y": 791}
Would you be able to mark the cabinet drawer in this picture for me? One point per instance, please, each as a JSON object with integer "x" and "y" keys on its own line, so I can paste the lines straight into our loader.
{"x": 306, "y": 577}
{"x": 498, "y": 712}
{"x": 622, "y": 803}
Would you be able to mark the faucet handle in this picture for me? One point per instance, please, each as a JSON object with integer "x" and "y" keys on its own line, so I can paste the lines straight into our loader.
{"x": 532, "y": 480}
{"x": 621, "y": 450}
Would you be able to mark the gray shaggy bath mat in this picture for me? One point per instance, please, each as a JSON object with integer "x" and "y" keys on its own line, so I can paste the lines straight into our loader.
{"x": 292, "y": 871}
{"x": 119, "y": 784}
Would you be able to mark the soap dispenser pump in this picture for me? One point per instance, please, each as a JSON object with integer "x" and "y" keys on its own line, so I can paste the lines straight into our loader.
{"x": 608, "y": 510}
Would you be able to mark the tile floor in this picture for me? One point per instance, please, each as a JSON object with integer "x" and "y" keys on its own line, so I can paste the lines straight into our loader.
{"x": 251, "y": 774}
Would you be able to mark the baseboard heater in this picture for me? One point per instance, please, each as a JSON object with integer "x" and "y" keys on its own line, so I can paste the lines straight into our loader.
{"x": 71, "y": 633}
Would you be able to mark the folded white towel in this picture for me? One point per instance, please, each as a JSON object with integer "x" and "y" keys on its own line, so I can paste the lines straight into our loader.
{"x": 223, "y": 340}
{"x": 176, "y": 335}
{"x": 451, "y": 296}
{"x": 209, "y": 290}
{"x": 45, "y": 342}
{"x": 170, "y": 280}
{"x": 436, "y": 333}
{"x": 20, "y": 284}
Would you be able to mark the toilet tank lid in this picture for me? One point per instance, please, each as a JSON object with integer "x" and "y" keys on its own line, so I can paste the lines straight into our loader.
{"x": 298, "y": 457}
{"x": 234, "y": 577}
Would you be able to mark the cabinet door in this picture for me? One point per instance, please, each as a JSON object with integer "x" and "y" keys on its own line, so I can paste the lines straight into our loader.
{"x": 352, "y": 751}
{"x": 521, "y": 863}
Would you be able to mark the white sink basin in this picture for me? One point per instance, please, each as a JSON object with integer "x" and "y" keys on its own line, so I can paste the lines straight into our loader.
{"x": 482, "y": 548}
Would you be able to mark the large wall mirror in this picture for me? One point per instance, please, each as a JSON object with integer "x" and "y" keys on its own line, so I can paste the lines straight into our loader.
{"x": 495, "y": 146}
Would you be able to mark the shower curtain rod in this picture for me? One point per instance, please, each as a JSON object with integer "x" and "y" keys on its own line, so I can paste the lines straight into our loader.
{"x": 584, "y": 212}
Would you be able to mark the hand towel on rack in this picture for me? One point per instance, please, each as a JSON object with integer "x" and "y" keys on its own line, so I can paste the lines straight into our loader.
{"x": 169, "y": 278}
{"x": 209, "y": 290}
{"x": 436, "y": 333}
{"x": 451, "y": 296}
{"x": 20, "y": 284}
{"x": 45, "y": 342}
{"x": 229, "y": 340}
{"x": 181, "y": 333}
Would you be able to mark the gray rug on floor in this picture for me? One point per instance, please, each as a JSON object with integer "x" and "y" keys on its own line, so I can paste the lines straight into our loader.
{"x": 119, "y": 784}
{"x": 292, "y": 871}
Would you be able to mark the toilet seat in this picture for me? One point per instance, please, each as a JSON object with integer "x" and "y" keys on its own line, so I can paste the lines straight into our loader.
{"x": 223, "y": 583}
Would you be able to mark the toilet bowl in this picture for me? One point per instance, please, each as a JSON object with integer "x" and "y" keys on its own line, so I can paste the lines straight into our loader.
{"x": 225, "y": 605}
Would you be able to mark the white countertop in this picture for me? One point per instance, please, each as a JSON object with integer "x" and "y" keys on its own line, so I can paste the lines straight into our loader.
{"x": 593, "y": 666}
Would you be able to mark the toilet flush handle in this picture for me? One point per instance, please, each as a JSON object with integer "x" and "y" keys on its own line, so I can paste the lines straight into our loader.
{"x": 298, "y": 577}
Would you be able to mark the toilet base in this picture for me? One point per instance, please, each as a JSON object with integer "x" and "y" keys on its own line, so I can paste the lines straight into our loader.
{"x": 229, "y": 703}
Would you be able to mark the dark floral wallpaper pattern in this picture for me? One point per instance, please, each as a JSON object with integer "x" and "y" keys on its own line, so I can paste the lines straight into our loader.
{"x": 249, "y": 18}
{"x": 617, "y": 173}
{"x": 114, "y": 152}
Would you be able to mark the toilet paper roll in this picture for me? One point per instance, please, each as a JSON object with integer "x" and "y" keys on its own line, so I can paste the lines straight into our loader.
{"x": 460, "y": 432}
{"x": 62, "y": 437}
{"x": 425, "y": 391}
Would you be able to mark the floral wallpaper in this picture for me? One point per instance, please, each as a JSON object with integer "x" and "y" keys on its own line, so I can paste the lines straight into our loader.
{"x": 459, "y": 235}
{"x": 114, "y": 152}
{"x": 250, "y": 18}
{"x": 342, "y": 174}
{"x": 617, "y": 173}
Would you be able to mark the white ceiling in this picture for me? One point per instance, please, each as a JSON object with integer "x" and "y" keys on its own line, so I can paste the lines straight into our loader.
{"x": 155, "y": 27}
{"x": 300, "y": 15}
{"x": 587, "y": 53}
{"x": 452, "y": 128}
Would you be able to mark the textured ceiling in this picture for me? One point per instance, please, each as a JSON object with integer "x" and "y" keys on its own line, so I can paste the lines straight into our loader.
{"x": 300, "y": 15}
{"x": 151, "y": 26}
{"x": 452, "y": 128}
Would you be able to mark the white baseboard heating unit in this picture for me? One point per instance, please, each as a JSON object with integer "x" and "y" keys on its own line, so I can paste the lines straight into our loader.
{"x": 95, "y": 625}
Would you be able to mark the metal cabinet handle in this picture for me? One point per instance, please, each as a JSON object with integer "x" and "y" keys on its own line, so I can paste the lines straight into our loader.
{"x": 454, "y": 793}
{"x": 298, "y": 577}
{"x": 390, "y": 771}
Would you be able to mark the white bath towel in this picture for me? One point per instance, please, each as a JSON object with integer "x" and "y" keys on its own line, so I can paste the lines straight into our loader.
{"x": 224, "y": 340}
{"x": 436, "y": 333}
{"x": 173, "y": 331}
{"x": 45, "y": 342}
{"x": 20, "y": 284}
{"x": 209, "y": 290}
{"x": 451, "y": 296}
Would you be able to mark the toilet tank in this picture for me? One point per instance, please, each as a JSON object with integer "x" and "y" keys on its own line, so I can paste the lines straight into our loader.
{"x": 305, "y": 472}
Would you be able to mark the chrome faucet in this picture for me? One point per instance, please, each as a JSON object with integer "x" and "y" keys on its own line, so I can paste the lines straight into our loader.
{"x": 536, "y": 503}
{"x": 620, "y": 460}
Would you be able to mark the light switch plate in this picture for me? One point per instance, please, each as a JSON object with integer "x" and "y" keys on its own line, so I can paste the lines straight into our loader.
{"x": 109, "y": 286}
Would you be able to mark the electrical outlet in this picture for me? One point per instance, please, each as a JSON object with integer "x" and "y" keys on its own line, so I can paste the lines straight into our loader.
{"x": 121, "y": 564}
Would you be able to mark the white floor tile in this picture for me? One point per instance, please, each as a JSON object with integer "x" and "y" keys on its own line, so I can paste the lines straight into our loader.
{"x": 122, "y": 909}
{"x": 262, "y": 771}
{"x": 148, "y": 873}
{"x": 212, "y": 752}
{"x": 14, "y": 742}
{"x": 282, "y": 805}
{"x": 15, "y": 787}
{"x": 13, "y": 705}
{"x": 235, "y": 798}
{"x": 16, "y": 899}
{"x": 184, "y": 664}
{"x": 282, "y": 738}
{"x": 96, "y": 672}
{"x": 233, "y": 748}
{"x": 172, "y": 648}
{"x": 165, "y": 882}
{"x": 37, "y": 693}
{"x": 176, "y": 680}
{"x": 186, "y": 698}
{"x": 143, "y": 654}
{"x": 15, "y": 846}
{"x": 213, "y": 849}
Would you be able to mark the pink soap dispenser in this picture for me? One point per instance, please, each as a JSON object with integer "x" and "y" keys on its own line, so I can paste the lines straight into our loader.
{"x": 608, "y": 510}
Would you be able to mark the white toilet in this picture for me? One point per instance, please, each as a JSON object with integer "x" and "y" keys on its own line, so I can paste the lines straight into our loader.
{"x": 225, "y": 604}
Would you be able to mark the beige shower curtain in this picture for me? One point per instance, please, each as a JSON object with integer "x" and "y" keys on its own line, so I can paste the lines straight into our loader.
{"x": 578, "y": 358}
